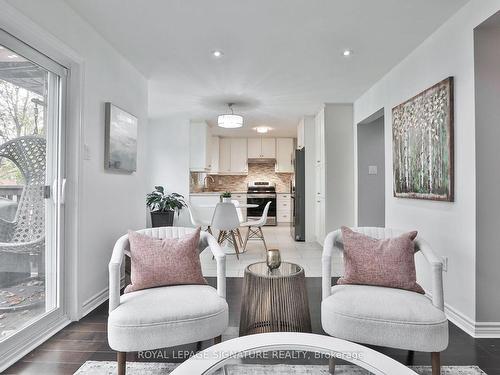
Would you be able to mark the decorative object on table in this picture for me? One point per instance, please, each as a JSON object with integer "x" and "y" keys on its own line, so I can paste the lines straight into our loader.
{"x": 382, "y": 316}
{"x": 162, "y": 262}
{"x": 422, "y": 141}
{"x": 273, "y": 258}
{"x": 274, "y": 300}
{"x": 388, "y": 262}
{"x": 120, "y": 152}
{"x": 139, "y": 321}
{"x": 163, "y": 206}
{"x": 226, "y": 197}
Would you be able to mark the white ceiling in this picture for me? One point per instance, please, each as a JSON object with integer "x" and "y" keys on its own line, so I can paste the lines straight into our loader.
{"x": 282, "y": 58}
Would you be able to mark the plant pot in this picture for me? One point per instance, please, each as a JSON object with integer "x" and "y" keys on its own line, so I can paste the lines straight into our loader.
{"x": 162, "y": 219}
{"x": 226, "y": 200}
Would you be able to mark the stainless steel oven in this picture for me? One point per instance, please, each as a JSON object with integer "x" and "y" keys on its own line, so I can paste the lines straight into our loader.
{"x": 260, "y": 193}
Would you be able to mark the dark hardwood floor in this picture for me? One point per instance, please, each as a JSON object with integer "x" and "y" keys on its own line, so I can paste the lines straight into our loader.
{"x": 86, "y": 340}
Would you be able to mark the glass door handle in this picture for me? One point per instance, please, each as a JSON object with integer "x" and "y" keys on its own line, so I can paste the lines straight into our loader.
{"x": 46, "y": 191}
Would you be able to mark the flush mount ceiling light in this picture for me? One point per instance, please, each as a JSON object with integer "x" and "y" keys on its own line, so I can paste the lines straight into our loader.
{"x": 347, "y": 53}
{"x": 231, "y": 120}
{"x": 217, "y": 53}
{"x": 262, "y": 129}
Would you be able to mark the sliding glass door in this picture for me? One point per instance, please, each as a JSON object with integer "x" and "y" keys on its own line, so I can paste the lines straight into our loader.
{"x": 32, "y": 93}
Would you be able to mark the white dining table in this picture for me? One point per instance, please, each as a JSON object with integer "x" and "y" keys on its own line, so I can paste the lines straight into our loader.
{"x": 241, "y": 205}
{"x": 229, "y": 250}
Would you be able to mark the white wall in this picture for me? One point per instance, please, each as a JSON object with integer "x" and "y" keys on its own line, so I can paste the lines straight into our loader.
{"x": 168, "y": 158}
{"x": 449, "y": 227}
{"x": 487, "y": 84}
{"x": 371, "y": 187}
{"x": 109, "y": 203}
{"x": 339, "y": 159}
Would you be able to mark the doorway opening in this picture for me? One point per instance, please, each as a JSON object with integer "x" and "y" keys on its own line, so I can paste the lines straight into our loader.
{"x": 371, "y": 171}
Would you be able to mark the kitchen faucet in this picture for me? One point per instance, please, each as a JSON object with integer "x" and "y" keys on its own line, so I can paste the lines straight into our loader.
{"x": 205, "y": 185}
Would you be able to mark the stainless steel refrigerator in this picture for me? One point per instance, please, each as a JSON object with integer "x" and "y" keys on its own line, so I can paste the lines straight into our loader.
{"x": 298, "y": 188}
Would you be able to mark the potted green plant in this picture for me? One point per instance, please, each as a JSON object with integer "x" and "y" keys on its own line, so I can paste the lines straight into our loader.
{"x": 163, "y": 206}
{"x": 226, "y": 197}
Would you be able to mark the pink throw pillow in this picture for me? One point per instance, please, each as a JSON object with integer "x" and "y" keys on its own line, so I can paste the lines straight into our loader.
{"x": 161, "y": 262}
{"x": 370, "y": 261}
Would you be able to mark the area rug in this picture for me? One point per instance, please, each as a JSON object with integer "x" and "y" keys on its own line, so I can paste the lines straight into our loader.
{"x": 154, "y": 368}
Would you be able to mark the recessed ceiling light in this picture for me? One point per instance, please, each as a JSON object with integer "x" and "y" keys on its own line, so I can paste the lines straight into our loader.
{"x": 262, "y": 129}
{"x": 2, "y": 47}
{"x": 347, "y": 53}
{"x": 11, "y": 56}
{"x": 217, "y": 53}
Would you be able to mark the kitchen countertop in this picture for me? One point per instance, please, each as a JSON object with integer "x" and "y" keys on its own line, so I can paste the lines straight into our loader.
{"x": 233, "y": 192}
{"x": 216, "y": 192}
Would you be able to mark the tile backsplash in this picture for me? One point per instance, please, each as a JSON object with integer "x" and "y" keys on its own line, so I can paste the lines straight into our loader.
{"x": 256, "y": 172}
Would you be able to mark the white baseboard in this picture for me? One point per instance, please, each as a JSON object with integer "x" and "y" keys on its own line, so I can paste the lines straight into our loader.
{"x": 96, "y": 300}
{"x": 460, "y": 320}
{"x": 37, "y": 339}
{"x": 478, "y": 330}
{"x": 487, "y": 330}
{"x": 93, "y": 302}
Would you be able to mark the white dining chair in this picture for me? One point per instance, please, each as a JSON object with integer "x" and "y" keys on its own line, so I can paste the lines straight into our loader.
{"x": 197, "y": 221}
{"x": 240, "y": 218}
{"x": 226, "y": 221}
{"x": 255, "y": 228}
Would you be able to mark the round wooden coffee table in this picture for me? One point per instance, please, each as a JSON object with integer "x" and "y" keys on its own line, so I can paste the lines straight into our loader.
{"x": 274, "y": 300}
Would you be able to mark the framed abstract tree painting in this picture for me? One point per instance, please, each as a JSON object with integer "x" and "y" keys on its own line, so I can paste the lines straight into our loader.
{"x": 422, "y": 141}
{"x": 120, "y": 154}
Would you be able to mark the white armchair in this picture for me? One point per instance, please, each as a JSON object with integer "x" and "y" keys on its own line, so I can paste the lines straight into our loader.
{"x": 166, "y": 316}
{"x": 385, "y": 316}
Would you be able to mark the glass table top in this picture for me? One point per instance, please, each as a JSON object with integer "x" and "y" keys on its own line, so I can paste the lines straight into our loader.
{"x": 290, "y": 353}
{"x": 286, "y": 361}
{"x": 285, "y": 269}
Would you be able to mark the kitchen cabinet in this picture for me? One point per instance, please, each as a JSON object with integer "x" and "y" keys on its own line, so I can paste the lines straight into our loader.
{"x": 284, "y": 158}
{"x": 334, "y": 183}
{"x": 268, "y": 148}
{"x": 200, "y": 159}
{"x": 319, "y": 127}
{"x": 320, "y": 220}
{"x": 261, "y": 148}
{"x": 301, "y": 134}
{"x": 239, "y": 162}
{"x": 224, "y": 155}
{"x": 214, "y": 150}
{"x": 283, "y": 208}
{"x": 233, "y": 156}
{"x": 320, "y": 206}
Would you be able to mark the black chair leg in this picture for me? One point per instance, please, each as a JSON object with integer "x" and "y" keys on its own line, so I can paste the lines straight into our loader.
{"x": 410, "y": 357}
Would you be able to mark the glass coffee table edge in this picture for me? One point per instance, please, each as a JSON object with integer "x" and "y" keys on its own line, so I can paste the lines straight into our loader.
{"x": 215, "y": 356}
